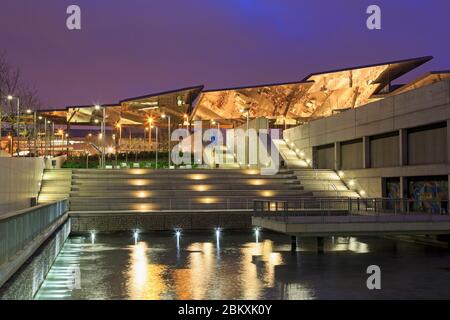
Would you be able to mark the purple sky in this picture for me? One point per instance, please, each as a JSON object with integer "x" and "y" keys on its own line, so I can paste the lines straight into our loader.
{"x": 134, "y": 47}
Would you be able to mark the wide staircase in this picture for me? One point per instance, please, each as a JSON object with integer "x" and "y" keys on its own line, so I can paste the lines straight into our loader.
{"x": 146, "y": 189}
{"x": 55, "y": 185}
{"x": 323, "y": 183}
{"x": 290, "y": 156}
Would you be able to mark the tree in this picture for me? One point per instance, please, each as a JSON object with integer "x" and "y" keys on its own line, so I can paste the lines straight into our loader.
{"x": 11, "y": 83}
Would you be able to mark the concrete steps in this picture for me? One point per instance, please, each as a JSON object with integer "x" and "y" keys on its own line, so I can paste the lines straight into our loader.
{"x": 323, "y": 183}
{"x": 147, "y": 189}
{"x": 290, "y": 157}
{"x": 56, "y": 185}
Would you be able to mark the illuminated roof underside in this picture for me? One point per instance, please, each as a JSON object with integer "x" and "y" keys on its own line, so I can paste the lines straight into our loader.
{"x": 318, "y": 95}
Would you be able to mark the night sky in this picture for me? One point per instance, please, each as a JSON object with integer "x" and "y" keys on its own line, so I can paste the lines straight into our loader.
{"x": 129, "y": 48}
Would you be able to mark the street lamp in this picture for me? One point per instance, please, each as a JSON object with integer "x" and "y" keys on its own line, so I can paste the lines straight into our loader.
{"x": 103, "y": 132}
{"x": 10, "y": 98}
{"x": 164, "y": 116}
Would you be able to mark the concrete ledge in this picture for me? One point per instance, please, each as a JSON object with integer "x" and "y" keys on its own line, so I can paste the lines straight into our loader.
{"x": 9, "y": 270}
{"x": 106, "y": 221}
{"x": 316, "y": 228}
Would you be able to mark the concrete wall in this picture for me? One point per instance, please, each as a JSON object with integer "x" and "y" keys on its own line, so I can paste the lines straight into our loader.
{"x": 28, "y": 279}
{"x": 429, "y": 104}
{"x": 397, "y": 115}
{"x": 85, "y": 222}
{"x": 19, "y": 181}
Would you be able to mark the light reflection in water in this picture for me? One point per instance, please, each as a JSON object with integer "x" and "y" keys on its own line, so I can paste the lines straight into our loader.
{"x": 223, "y": 265}
{"x": 146, "y": 280}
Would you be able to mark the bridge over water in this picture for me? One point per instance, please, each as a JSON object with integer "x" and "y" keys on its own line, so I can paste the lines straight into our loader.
{"x": 344, "y": 217}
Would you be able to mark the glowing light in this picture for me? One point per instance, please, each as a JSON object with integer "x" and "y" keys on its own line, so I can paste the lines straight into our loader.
{"x": 97, "y": 107}
{"x": 142, "y": 194}
{"x": 252, "y": 171}
{"x": 340, "y": 173}
{"x": 118, "y": 125}
{"x": 201, "y": 188}
{"x": 256, "y": 182}
{"x": 351, "y": 183}
{"x": 362, "y": 193}
{"x": 10, "y": 97}
{"x": 96, "y": 120}
{"x": 267, "y": 193}
{"x": 29, "y": 111}
{"x": 92, "y": 237}
{"x": 138, "y": 182}
{"x": 257, "y": 231}
{"x": 163, "y": 116}
{"x": 302, "y": 154}
{"x": 198, "y": 176}
{"x": 136, "y": 236}
{"x": 208, "y": 200}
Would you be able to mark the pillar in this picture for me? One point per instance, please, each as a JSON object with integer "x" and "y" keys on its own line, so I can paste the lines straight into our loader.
{"x": 320, "y": 245}
{"x": 293, "y": 243}
{"x": 366, "y": 152}
{"x": 337, "y": 156}
{"x": 403, "y": 146}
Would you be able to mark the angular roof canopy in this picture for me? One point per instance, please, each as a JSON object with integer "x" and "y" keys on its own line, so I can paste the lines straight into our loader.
{"x": 317, "y": 95}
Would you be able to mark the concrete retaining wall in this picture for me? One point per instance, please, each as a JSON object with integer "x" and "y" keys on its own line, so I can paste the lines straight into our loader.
{"x": 28, "y": 279}
{"x": 20, "y": 180}
{"x": 154, "y": 221}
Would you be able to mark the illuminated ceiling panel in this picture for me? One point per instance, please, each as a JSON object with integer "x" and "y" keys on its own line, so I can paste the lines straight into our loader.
{"x": 318, "y": 95}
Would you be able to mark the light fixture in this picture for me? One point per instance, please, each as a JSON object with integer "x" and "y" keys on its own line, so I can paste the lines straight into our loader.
{"x": 97, "y": 107}
{"x": 340, "y": 173}
{"x": 96, "y": 120}
{"x": 351, "y": 183}
{"x": 163, "y": 116}
{"x": 136, "y": 236}
{"x": 29, "y": 111}
{"x": 362, "y": 193}
{"x": 10, "y": 97}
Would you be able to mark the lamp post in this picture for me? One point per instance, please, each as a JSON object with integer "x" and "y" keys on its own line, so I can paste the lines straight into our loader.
{"x": 169, "y": 137}
{"x": 10, "y": 98}
{"x": 103, "y": 134}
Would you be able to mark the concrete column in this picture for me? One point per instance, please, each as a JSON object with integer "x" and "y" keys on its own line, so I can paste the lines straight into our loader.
{"x": 337, "y": 156}
{"x": 320, "y": 245}
{"x": 293, "y": 243}
{"x": 403, "y": 145}
{"x": 366, "y": 152}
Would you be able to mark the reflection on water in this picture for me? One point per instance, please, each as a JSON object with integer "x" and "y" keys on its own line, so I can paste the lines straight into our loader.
{"x": 240, "y": 265}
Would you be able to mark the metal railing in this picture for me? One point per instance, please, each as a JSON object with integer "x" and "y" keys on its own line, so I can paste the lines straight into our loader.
{"x": 381, "y": 208}
{"x": 19, "y": 229}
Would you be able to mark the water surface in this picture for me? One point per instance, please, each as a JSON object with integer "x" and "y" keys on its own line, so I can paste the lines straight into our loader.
{"x": 236, "y": 265}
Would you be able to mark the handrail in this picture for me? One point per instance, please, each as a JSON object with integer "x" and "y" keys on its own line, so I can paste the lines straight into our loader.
{"x": 12, "y": 214}
{"x": 365, "y": 206}
{"x": 20, "y": 230}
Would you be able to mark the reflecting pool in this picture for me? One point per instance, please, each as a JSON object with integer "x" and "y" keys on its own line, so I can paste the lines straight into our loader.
{"x": 242, "y": 265}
